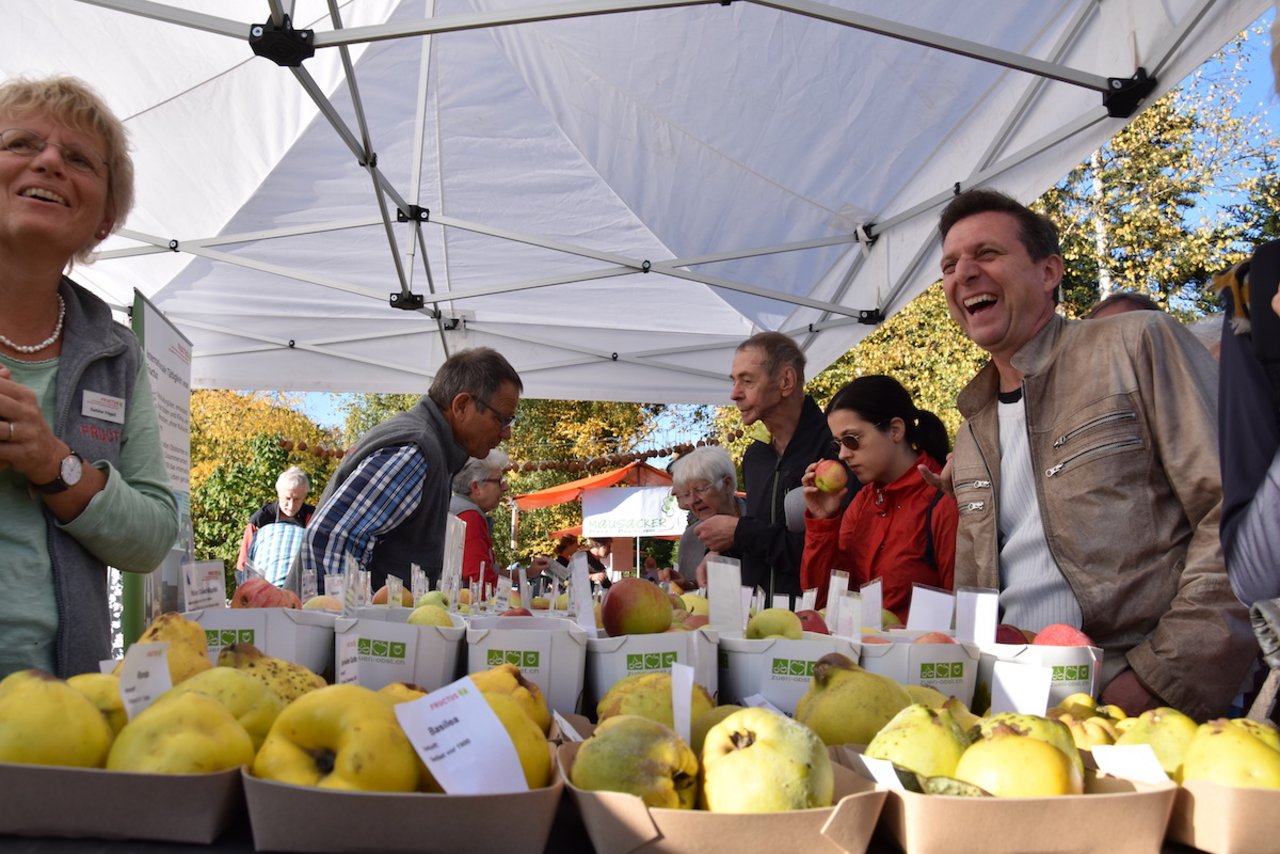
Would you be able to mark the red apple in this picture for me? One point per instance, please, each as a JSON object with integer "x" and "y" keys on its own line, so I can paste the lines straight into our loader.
{"x": 695, "y": 621}
{"x": 1006, "y": 633}
{"x": 811, "y": 621}
{"x": 830, "y": 476}
{"x": 406, "y": 596}
{"x": 516, "y": 612}
{"x": 935, "y": 637}
{"x": 634, "y": 606}
{"x": 1060, "y": 634}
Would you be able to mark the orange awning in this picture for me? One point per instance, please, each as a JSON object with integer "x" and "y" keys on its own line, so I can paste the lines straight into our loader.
{"x": 632, "y": 474}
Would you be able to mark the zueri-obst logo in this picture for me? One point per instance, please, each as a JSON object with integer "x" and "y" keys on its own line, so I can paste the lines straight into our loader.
{"x": 383, "y": 649}
{"x": 226, "y": 637}
{"x": 1070, "y": 673}
{"x": 642, "y": 661}
{"x": 792, "y": 667}
{"x": 525, "y": 659}
{"x": 942, "y": 670}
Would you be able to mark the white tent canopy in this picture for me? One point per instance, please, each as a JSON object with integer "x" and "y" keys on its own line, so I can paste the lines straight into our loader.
{"x": 613, "y": 193}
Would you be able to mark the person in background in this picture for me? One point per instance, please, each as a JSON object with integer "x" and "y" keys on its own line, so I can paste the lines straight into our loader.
{"x": 272, "y": 553}
{"x": 706, "y": 483}
{"x": 387, "y": 504}
{"x": 649, "y": 572}
{"x": 477, "y": 489}
{"x": 599, "y": 550}
{"x": 83, "y": 484}
{"x": 898, "y": 528}
{"x": 790, "y": 433}
{"x": 563, "y": 551}
{"x": 1119, "y": 303}
{"x": 1087, "y": 469}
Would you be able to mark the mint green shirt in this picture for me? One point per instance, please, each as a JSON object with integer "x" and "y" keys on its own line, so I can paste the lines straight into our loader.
{"x": 129, "y": 518}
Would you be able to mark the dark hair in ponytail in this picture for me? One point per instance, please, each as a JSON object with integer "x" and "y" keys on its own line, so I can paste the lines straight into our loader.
{"x": 879, "y": 398}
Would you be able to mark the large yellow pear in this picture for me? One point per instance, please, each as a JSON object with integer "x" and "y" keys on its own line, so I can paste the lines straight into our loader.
{"x": 181, "y": 734}
{"x": 507, "y": 679}
{"x": 339, "y": 737}
{"x": 922, "y": 739}
{"x": 402, "y": 692}
{"x": 758, "y": 761}
{"x": 1049, "y": 731}
{"x": 703, "y": 723}
{"x": 649, "y": 695}
{"x": 1018, "y": 766}
{"x": 429, "y": 615}
{"x": 847, "y": 705}
{"x": 287, "y": 678}
{"x": 1168, "y": 731}
{"x": 527, "y": 737}
{"x": 1230, "y": 755}
{"x": 249, "y": 700}
{"x": 44, "y": 721}
{"x": 103, "y": 690}
{"x": 927, "y": 695}
{"x": 188, "y": 648}
{"x": 641, "y": 757}
{"x": 1264, "y": 731}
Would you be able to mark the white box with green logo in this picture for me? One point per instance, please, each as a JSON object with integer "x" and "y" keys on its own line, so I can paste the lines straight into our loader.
{"x": 950, "y": 668}
{"x": 777, "y": 668}
{"x": 382, "y": 648}
{"x": 550, "y": 651}
{"x": 610, "y": 660}
{"x": 304, "y": 637}
{"x": 1076, "y": 669}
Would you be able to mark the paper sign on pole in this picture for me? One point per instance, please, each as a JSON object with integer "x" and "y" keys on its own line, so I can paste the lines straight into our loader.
{"x": 835, "y": 595}
{"x": 307, "y": 585}
{"x": 977, "y": 612}
{"x": 566, "y": 728}
{"x": 580, "y": 593}
{"x": 931, "y": 609}
{"x": 204, "y": 585}
{"x": 848, "y": 625}
{"x": 1022, "y": 688}
{"x": 1130, "y": 761}
{"x": 872, "y": 604}
{"x": 347, "y": 655}
{"x": 502, "y": 601}
{"x": 144, "y": 676}
{"x": 462, "y": 741}
{"x": 759, "y": 701}
{"x": 681, "y": 700}
{"x": 455, "y": 537}
{"x": 808, "y": 599}
{"x": 725, "y": 612}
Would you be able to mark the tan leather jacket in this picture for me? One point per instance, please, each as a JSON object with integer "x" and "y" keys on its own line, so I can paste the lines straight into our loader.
{"x": 1123, "y": 440}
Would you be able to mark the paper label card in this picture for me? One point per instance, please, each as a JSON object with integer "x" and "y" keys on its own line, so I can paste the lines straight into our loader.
{"x": 204, "y": 585}
{"x": 565, "y": 727}
{"x": 462, "y": 741}
{"x": 1130, "y": 761}
{"x": 418, "y": 582}
{"x": 333, "y": 586}
{"x": 307, "y": 585}
{"x": 395, "y": 591}
{"x": 849, "y": 616}
{"x": 347, "y": 650}
{"x": 580, "y": 594}
{"x": 880, "y": 770}
{"x": 502, "y": 601}
{"x": 681, "y": 700}
{"x": 144, "y": 676}
{"x": 808, "y": 599}
{"x": 1022, "y": 688}
{"x": 759, "y": 701}
{"x": 781, "y": 600}
{"x": 872, "y": 604}
{"x": 724, "y": 595}
{"x": 931, "y": 609}
{"x": 977, "y": 613}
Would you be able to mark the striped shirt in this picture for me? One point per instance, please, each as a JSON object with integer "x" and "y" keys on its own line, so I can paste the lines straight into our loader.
{"x": 378, "y": 497}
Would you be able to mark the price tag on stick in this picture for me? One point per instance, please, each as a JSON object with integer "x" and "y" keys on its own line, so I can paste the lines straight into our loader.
{"x": 144, "y": 676}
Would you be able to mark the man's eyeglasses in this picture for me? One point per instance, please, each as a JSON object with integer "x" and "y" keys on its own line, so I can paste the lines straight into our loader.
{"x": 852, "y": 441}
{"x": 503, "y": 420}
{"x": 501, "y": 480}
{"x": 28, "y": 143}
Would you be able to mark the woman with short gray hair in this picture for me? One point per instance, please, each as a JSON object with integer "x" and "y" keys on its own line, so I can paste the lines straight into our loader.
{"x": 478, "y": 488}
{"x": 705, "y": 482}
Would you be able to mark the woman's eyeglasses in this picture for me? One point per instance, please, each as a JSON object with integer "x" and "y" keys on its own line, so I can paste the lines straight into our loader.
{"x": 851, "y": 441}
{"x": 28, "y": 143}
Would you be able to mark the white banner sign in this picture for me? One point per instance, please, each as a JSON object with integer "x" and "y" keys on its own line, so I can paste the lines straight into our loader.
{"x": 631, "y": 511}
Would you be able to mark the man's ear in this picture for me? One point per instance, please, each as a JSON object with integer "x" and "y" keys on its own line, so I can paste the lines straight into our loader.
{"x": 1054, "y": 270}
{"x": 787, "y": 380}
{"x": 458, "y": 406}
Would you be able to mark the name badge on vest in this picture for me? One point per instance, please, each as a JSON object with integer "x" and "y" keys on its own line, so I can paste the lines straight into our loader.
{"x": 99, "y": 405}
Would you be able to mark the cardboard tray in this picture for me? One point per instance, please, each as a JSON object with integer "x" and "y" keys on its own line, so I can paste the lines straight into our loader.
{"x": 621, "y": 824}
{"x": 42, "y": 800}
{"x": 285, "y": 817}
{"x": 1225, "y": 819}
{"x": 1116, "y": 816}
{"x": 303, "y": 637}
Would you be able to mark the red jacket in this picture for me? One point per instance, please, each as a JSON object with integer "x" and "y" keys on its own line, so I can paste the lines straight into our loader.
{"x": 477, "y": 549}
{"x": 882, "y": 535}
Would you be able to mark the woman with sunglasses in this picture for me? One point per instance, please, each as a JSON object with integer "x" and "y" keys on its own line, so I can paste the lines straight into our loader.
{"x": 82, "y": 477}
{"x": 898, "y": 528}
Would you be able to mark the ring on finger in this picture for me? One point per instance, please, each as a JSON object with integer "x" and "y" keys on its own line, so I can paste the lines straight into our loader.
{"x": 9, "y": 438}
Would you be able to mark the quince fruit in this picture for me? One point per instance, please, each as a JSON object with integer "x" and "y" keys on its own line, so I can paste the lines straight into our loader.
{"x": 45, "y": 721}
{"x": 649, "y": 695}
{"x": 103, "y": 690}
{"x": 249, "y": 700}
{"x": 188, "y": 647}
{"x": 1049, "y": 731}
{"x": 288, "y": 679}
{"x": 641, "y": 757}
{"x": 703, "y": 723}
{"x": 847, "y": 705}
{"x": 760, "y": 761}
{"x": 922, "y": 739}
{"x": 507, "y": 679}
{"x": 528, "y": 738}
{"x": 339, "y": 737}
{"x": 1230, "y": 755}
{"x": 1018, "y": 766}
{"x": 186, "y": 733}
{"x": 1168, "y": 731}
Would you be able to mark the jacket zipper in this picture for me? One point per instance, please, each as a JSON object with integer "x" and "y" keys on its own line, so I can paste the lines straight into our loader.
{"x": 972, "y": 484}
{"x": 1126, "y": 415}
{"x": 1124, "y": 443}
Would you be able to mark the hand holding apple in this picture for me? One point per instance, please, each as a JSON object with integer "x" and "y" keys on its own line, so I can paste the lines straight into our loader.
{"x": 823, "y": 503}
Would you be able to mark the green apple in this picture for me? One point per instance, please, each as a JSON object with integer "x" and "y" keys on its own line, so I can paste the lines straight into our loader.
{"x": 429, "y": 615}
{"x": 434, "y": 597}
{"x": 759, "y": 761}
{"x": 322, "y": 603}
{"x": 775, "y": 623}
{"x": 696, "y": 605}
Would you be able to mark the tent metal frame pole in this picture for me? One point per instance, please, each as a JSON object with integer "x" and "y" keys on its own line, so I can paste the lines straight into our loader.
{"x": 597, "y": 356}
{"x": 181, "y": 17}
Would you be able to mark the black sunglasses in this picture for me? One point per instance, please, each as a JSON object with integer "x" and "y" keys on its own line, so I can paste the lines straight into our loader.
{"x": 853, "y": 440}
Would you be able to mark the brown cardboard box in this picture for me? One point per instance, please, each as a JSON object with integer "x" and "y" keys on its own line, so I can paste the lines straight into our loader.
{"x": 1115, "y": 816}
{"x": 621, "y": 824}
{"x": 41, "y": 800}
{"x": 301, "y": 818}
{"x": 1225, "y": 819}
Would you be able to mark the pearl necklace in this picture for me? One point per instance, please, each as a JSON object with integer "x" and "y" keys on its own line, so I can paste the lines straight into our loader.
{"x": 46, "y": 343}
